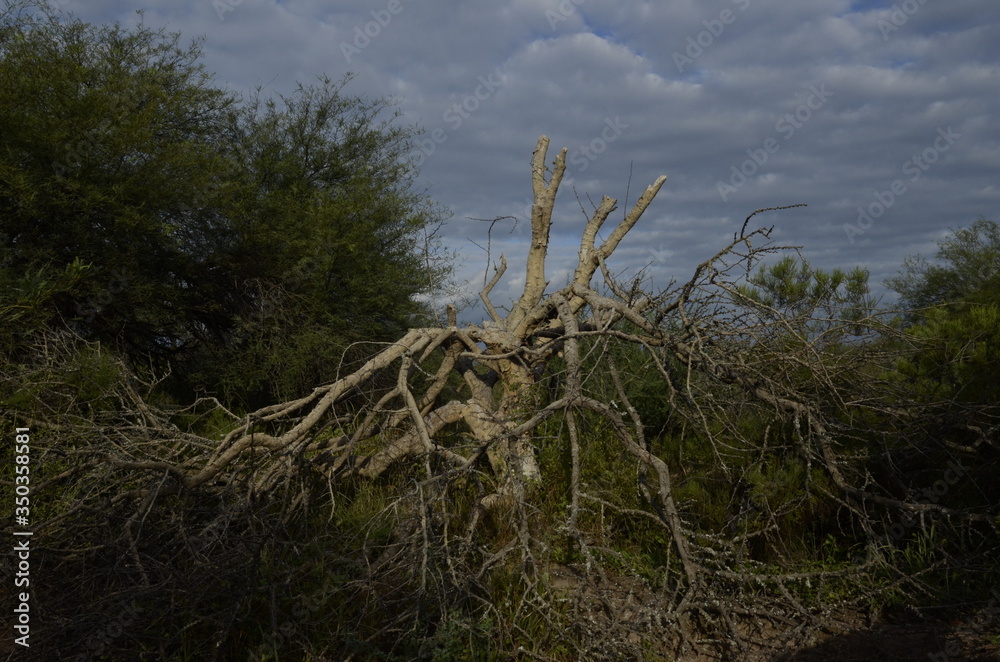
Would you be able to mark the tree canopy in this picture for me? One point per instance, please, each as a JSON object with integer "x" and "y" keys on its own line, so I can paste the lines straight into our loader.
{"x": 967, "y": 270}
{"x": 954, "y": 314}
{"x": 210, "y": 226}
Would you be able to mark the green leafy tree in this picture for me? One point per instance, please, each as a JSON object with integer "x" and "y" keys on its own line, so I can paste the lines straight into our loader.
{"x": 108, "y": 137}
{"x": 815, "y": 303}
{"x": 333, "y": 229}
{"x": 25, "y": 299}
{"x": 967, "y": 271}
{"x": 954, "y": 315}
{"x": 245, "y": 243}
{"x": 958, "y": 354}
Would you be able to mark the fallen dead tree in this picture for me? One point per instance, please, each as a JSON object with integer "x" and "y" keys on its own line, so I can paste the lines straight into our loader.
{"x": 453, "y": 418}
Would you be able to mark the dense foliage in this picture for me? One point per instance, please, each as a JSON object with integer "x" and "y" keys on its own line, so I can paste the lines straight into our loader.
{"x": 242, "y": 243}
{"x": 954, "y": 306}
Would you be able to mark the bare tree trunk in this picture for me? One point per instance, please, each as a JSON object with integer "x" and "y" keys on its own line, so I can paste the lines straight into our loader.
{"x": 713, "y": 354}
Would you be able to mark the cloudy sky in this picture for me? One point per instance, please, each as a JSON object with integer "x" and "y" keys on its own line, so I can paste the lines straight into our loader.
{"x": 884, "y": 118}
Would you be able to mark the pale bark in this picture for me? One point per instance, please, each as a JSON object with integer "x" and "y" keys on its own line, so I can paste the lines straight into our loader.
{"x": 464, "y": 404}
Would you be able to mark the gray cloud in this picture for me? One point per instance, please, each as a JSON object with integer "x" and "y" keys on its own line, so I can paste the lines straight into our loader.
{"x": 894, "y": 77}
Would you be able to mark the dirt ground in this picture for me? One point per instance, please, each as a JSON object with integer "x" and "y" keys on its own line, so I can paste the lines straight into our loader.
{"x": 898, "y": 635}
{"x": 972, "y": 637}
